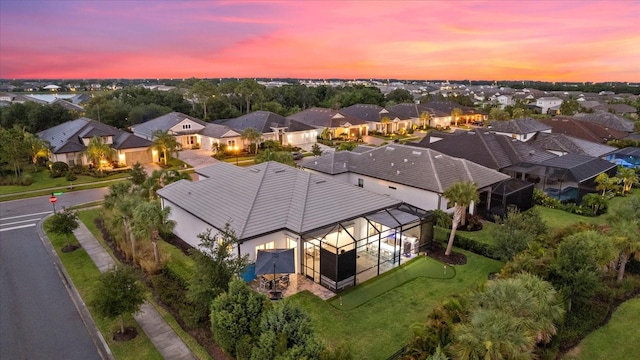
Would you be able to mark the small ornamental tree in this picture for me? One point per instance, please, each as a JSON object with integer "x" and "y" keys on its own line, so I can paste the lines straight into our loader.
{"x": 315, "y": 150}
{"x": 63, "y": 223}
{"x": 118, "y": 293}
{"x": 514, "y": 233}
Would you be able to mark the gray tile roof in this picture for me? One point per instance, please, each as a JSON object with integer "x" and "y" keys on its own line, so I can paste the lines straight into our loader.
{"x": 571, "y": 145}
{"x": 518, "y": 126}
{"x": 67, "y": 137}
{"x": 218, "y": 131}
{"x": 324, "y": 118}
{"x": 631, "y": 151}
{"x": 487, "y": 149}
{"x": 164, "y": 123}
{"x": 608, "y": 120}
{"x": 408, "y": 165}
{"x": 369, "y": 112}
{"x": 582, "y": 129}
{"x": 269, "y": 197}
{"x": 259, "y": 120}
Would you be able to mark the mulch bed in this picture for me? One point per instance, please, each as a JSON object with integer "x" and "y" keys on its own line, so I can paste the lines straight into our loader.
{"x": 70, "y": 248}
{"x": 129, "y": 333}
{"x": 436, "y": 250}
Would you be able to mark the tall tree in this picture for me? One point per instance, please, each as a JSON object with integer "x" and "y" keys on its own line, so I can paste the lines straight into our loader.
{"x": 98, "y": 152}
{"x": 253, "y": 136}
{"x": 150, "y": 219}
{"x": 516, "y": 231}
{"x": 118, "y": 293}
{"x": 63, "y": 223}
{"x": 624, "y": 220}
{"x": 13, "y": 149}
{"x": 165, "y": 143}
{"x": 250, "y": 90}
{"x": 606, "y": 183}
{"x": 425, "y": 119}
{"x": 123, "y": 201}
{"x": 462, "y": 194}
{"x": 628, "y": 177}
{"x": 456, "y": 113}
{"x": 215, "y": 266}
{"x": 203, "y": 92}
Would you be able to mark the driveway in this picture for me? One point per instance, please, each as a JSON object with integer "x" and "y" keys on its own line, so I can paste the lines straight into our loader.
{"x": 197, "y": 158}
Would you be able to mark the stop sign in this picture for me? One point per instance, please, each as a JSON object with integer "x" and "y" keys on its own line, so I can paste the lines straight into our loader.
{"x": 53, "y": 199}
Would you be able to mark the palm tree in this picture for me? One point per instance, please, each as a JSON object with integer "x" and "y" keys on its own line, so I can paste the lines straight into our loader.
{"x": 606, "y": 183}
{"x": 98, "y": 152}
{"x": 165, "y": 143}
{"x": 628, "y": 177}
{"x": 462, "y": 193}
{"x": 385, "y": 124}
{"x": 492, "y": 334}
{"x": 625, "y": 227}
{"x": 254, "y": 136}
{"x": 425, "y": 119}
{"x": 455, "y": 113}
{"x": 122, "y": 200}
{"x": 149, "y": 220}
{"x": 37, "y": 148}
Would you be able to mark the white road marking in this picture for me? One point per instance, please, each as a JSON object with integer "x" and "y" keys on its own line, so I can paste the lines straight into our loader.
{"x": 21, "y": 216}
{"x": 17, "y": 227}
{"x": 19, "y": 222}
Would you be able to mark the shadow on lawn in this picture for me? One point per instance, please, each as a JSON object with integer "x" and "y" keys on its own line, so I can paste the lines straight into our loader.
{"x": 420, "y": 267}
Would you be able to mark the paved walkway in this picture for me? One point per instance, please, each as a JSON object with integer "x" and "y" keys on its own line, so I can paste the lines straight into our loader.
{"x": 168, "y": 343}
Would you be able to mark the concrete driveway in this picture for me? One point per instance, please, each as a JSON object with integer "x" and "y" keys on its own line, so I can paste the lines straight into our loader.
{"x": 197, "y": 158}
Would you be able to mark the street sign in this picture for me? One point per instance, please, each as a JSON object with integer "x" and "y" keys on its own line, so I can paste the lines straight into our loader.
{"x": 57, "y": 193}
{"x": 53, "y": 199}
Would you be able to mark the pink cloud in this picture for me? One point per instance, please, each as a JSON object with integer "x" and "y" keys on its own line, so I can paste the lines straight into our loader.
{"x": 539, "y": 40}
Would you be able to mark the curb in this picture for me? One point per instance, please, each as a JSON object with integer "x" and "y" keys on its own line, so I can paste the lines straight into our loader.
{"x": 92, "y": 328}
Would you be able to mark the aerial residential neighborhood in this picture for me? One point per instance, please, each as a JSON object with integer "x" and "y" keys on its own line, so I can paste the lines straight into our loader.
{"x": 319, "y": 180}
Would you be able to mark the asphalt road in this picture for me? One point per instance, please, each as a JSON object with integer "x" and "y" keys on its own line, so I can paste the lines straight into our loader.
{"x": 38, "y": 317}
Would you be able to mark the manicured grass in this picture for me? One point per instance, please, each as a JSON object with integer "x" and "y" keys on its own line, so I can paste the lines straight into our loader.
{"x": 420, "y": 267}
{"x": 618, "y": 339}
{"x": 555, "y": 218}
{"x": 379, "y": 327}
{"x": 85, "y": 275}
{"x": 41, "y": 180}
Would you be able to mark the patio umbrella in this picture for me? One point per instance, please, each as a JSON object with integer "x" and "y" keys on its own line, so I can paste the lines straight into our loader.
{"x": 276, "y": 261}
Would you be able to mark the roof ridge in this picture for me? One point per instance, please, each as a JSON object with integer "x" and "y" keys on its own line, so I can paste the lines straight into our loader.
{"x": 263, "y": 174}
{"x": 484, "y": 142}
{"x": 303, "y": 175}
{"x": 465, "y": 164}
{"x": 435, "y": 173}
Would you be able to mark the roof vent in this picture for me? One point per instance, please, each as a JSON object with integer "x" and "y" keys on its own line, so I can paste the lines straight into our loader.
{"x": 416, "y": 152}
{"x": 532, "y": 152}
{"x": 255, "y": 170}
{"x": 391, "y": 164}
{"x": 439, "y": 156}
{"x": 405, "y": 160}
{"x": 397, "y": 172}
{"x": 321, "y": 181}
{"x": 279, "y": 171}
{"x": 370, "y": 154}
{"x": 315, "y": 163}
{"x": 389, "y": 148}
{"x": 344, "y": 165}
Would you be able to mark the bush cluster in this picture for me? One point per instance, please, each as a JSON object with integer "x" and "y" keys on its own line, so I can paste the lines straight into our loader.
{"x": 23, "y": 180}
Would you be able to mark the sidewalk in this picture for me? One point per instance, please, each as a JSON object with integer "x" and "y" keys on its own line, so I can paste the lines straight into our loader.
{"x": 168, "y": 343}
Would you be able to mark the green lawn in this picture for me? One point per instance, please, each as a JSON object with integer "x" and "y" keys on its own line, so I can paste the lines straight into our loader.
{"x": 558, "y": 219}
{"x": 85, "y": 275}
{"x": 379, "y": 327}
{"x": 420, "y": 267}
{"x": 41, "y": 180}
{"x": 618, "y": 339}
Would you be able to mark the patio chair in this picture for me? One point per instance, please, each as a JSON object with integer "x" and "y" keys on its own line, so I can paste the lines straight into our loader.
{"x": 264, "y": 284}
{"x": 285, "y": 280}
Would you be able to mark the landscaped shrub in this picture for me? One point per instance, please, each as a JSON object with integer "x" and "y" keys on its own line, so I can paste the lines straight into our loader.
{"x": 474, "y": 223}
{"x": 442, "y": 219}
{"x": 472, "y": 245}
{"x": 58, "y": 169}
{"x": 24, "y": 180}
{"x": 71, "y": 176}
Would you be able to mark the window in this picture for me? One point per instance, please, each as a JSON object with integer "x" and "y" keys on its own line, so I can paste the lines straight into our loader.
{"x": 231, "y": 143}
{"x": 265, "y": 246}
{"x": 186, "y": 126}
{"x": 361, "y": 183}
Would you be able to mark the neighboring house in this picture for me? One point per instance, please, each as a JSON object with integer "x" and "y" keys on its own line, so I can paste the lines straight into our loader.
{"x": 608, "y": 120}
{"x": 505, "y": 100}
{"x": 468, "y": 115}
{"x": 342, "y": 235}
{"x": 276, "y": 127}
{"x": 569, "y": 177}
{"x": 68, "y": 142}
{"x": 439, "y": 119}
{"x": 190, "y": 132}
{"x": 411, "y": 174}
{"x": 585, "y": 130}
{"x": 373, "y": 115}
{"x": 548, "y": 104}
{"x": 626, "y": 157}
{"x": 619, "y": 109}
{"x": 68, "y": 105}
{"x": 561, "y": 144}
{"x": 522, "y": 129}
{"x": 338, "y": 124}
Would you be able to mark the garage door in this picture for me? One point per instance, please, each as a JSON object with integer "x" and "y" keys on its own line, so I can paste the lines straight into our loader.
{"x": 141, "y": 156}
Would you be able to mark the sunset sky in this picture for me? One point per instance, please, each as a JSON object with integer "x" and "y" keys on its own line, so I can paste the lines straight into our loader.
{"x": 566, "y": 40}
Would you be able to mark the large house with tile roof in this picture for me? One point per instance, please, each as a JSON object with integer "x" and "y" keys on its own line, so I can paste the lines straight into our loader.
{"x": 275, "y": 127}
{"x": 561, "y": 144}
{"x": 415, "y": 175}
{"x": 374, "y": 115}
{"x": 341, "y": 235}
{"x": 190, "y": 132}
{"x": 337, "y": 123}
{"x": 607, "y": 119}
{"x": 584, "y": 130}
{"x": 68, "y": 142}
